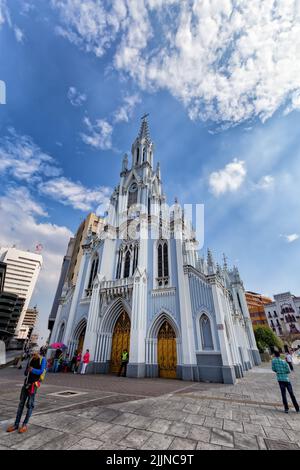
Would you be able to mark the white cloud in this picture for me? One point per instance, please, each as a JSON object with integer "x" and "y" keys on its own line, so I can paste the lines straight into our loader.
{"x": 291, "y": 238}
{"x": 226, "y": 61}
{"x": 19, "y": 34}
{"x": 75, "y": 194}
{"x": 99, "y": 135}
{"x": 5, "y": 17}
{"x": 21, "y": 228}
{"x": 228, "y": 179}
{"x": 124, "y": 112}
{"x": 76, "y": 98}
{"x": 266, "y": 182}
{"x": 4, "y": 13}
{"x": 21, "y": 158}
{"x": 88, "y": 24}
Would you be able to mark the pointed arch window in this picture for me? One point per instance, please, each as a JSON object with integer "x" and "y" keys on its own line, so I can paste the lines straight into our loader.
{"x": 119, "y": 265}
{"x": 137, "y": 155}
{"x": 61, "y": 333}
{"x": 127, "y": 264}
{"x": 93, "y": 272}
{"x": 206, "y": 334}
{"x": 135, "y": 258}
{"x": 132, "y": 195}
{"x": 162, "y": 264}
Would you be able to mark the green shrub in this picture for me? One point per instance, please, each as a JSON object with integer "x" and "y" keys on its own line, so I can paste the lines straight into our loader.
{"x": 266, "y": 338}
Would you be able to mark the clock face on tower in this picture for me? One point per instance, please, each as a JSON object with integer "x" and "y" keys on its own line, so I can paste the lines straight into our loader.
{"x": 133, "y": 187}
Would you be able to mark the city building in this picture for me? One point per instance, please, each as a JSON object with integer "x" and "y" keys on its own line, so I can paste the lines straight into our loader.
{"x": 91, "y": 224}
{"x": 283, "y": 314}
{"x": 142, "y": 286}
{"x": 22, "y": 270}
{"x": 62, "y": 280}
{"x": 11, "y": 307}
{"x": 72, "y": 259}
{"x": 256, "y": 306}
{"x": 29, "y": 323}
{"x": 2, "y": 275}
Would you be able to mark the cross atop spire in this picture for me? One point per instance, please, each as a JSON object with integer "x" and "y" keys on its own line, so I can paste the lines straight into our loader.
{"x": 144, "y": 130}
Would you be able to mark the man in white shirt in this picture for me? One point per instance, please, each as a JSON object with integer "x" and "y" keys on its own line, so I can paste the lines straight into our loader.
{"x": 289, "y": 360}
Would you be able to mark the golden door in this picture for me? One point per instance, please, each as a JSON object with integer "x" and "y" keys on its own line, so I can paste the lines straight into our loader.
{"x": 166, "y": 351}
{"x": 120, "y": 341}
{"x": 80, "y": 342}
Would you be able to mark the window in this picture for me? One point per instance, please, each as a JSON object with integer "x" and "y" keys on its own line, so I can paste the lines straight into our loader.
{"x": 206, "y": 336}
{"x": 239, "y": 301}
{"x": 144, "y": 154}
{"x": 119, "y": 265}
{"x": 162, "y": 264}
{"x": 61, "y": 333}
{"x": 127, "y": 260}
{"x": 127, "y": 264}
{"x": 132, "y": 195}
{"x": 137, "y": 156}
{"x": 93, "y": 272}
{"x": 135, "y": 258}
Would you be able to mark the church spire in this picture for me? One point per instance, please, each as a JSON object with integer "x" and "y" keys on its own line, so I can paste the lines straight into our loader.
{"x": 142, "y": 148}
{"x": 144, "y": 129}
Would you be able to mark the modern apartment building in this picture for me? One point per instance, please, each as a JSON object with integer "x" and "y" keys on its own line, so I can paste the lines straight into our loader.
{"x": 22, "y": 270}
{"x": 92, "y": 224}
{"x": 256, "y": 306}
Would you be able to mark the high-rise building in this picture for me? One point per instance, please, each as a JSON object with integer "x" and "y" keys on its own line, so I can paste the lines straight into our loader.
{"x": 22, "y": 270}
{"x": 91, "y": 224}
{"x": 71, "y": 263}
{"x": 143, "y": 286}
{"x": 2, "y": 275}
{"x": 11, "y": 307}
{"x": 62, "y": 279}
{"x": 29, "y": 322}
{"x": 256, "y": 306}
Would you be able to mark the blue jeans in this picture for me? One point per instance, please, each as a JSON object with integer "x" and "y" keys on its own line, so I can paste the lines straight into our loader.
{"x": 287, "y": 386}
{"x": 30, "y": 405}
{"x": 55, "y": 365}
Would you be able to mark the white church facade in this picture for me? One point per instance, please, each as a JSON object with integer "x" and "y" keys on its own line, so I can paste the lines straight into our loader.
{"x": 143, "y": 286}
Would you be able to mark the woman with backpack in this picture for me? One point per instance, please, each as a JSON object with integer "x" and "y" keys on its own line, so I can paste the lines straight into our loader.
{"x": 35, "y": 373}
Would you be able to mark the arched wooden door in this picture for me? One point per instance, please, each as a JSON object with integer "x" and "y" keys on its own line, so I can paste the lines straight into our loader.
{"x": 166, "y": 351}
{"x": 81, "y": 341}
{"x": 120, "y": 341}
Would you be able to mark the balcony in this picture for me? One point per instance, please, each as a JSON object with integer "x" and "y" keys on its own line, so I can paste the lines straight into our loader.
{"x": 117, "y": 286}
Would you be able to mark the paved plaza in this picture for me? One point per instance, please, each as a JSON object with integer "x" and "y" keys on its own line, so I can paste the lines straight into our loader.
{"x": 108, "y": 412}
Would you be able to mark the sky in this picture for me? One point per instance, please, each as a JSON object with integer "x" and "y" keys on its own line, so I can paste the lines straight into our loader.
{"x": 220, "y": 80}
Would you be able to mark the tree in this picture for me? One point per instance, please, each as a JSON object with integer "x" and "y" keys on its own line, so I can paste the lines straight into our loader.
{"x": 266, "y": 338}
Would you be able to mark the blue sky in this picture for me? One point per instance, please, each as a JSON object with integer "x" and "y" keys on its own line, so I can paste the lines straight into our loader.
{"x": 222, "y": 86}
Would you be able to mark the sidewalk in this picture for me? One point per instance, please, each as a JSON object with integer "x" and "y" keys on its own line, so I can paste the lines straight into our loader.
{"x": 117, "y": 413}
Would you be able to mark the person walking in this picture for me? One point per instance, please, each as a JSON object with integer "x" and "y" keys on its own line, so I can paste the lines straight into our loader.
{"x": 78, "y": 361}
{"x": 34, "y": 372}
{"x": 289, "y": 360}
{"x": 86, "y": 360}
{"x": 57, "y": 360}
{"x": 281, "y": 368}
{"x": 124, "y": 362}
{"x": 74, "y": 361}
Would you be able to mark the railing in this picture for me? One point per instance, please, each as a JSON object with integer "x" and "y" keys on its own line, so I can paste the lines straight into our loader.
{"x": 117, "y": 283}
